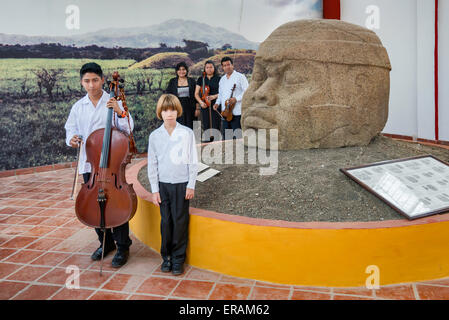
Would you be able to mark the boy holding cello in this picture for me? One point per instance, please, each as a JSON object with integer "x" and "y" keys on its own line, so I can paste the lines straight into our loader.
{"x": 87, "y": 115}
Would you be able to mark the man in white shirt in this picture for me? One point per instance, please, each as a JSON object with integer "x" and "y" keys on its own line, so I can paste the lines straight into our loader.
{"x": 226, "y": 85}
{"x": 172, "y": 171}
{"x": 87, "y": 115}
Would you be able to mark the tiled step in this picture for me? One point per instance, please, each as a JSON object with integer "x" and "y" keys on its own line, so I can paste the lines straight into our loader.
{"x": 40, "y": 237}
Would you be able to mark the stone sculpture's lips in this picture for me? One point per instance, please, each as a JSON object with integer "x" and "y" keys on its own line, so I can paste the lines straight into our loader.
{"x": 260, "y": 117}
{"x": 257, "y": 123}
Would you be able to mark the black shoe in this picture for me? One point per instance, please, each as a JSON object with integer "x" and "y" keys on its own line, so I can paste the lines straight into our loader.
{"x": 177, "y": 269}
{"x": 97, "y": 254}
{"x": 166, "y": 266}
{"x": 120, "y": 258}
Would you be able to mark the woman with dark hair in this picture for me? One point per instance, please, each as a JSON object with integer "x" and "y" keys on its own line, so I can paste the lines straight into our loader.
{"x": 183, "y": 87}
{"x": 211, "y": 79}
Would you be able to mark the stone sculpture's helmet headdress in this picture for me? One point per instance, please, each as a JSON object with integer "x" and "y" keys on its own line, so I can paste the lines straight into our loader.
{"x": 325, "y": 41}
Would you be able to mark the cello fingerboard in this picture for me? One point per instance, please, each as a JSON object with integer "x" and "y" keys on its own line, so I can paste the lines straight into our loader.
{"x": 107, "y": 137}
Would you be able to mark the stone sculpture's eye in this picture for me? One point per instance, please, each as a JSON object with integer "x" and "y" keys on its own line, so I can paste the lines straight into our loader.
{"x": 293, "y": 78}
{"x": 258, "y": 74}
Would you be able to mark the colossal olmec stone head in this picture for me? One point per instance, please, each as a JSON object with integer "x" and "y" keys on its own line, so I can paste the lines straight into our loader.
{"x": 321, "y": 83}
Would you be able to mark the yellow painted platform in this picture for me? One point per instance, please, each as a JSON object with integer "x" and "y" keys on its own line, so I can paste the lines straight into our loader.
{"x": 309, "y": 253}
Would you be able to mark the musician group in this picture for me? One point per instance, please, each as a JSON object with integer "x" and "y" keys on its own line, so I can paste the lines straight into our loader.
{"x": 172, "y": 154}
{"x": 211, "y": 106}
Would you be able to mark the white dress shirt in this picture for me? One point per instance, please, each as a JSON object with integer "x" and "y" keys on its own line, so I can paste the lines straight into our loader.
{"x": 172, "y": 158}
{"x": 85, "y": 118}
{"x": 225, "y": 89}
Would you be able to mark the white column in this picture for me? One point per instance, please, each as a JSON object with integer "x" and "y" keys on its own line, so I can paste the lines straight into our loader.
{"x": 425, "y": 94}
{"x": 443, "y": 68}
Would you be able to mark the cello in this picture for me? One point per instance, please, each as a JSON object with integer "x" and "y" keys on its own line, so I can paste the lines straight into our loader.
{"x": 106, "y": 200}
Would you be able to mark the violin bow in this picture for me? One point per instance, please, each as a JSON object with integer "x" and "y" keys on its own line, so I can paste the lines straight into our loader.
{"x": 210, "y": 102}
{"x": 75, "y": 178}
{"x": 204, "y": 81}
{"x": 219, "y": 114}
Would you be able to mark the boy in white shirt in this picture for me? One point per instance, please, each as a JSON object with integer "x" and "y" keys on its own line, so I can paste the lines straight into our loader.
{"x": 172, "y": 171}
{"x": 87, "y": 115}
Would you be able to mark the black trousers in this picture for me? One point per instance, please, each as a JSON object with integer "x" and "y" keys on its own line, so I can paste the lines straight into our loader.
{"x": 174, "y": 221}
{"x": 206, "y": 122}
{"x": 118, "y": 234}
{"x": 233, "y": 124}
{"x": 188, "y": 112}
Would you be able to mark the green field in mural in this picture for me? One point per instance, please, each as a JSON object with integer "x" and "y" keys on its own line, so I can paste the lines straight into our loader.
{"x": 36, "y": 96}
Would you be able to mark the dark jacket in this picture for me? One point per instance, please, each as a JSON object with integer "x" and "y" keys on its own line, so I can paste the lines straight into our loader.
{"x": 188, "y": 105}
{"x": 173, "y": 89}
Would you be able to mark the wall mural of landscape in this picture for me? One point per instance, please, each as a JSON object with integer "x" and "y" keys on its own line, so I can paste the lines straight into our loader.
{"x": 40, "y": 73}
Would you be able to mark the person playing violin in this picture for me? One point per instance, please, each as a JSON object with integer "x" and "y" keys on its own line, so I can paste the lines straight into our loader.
{"x": 211, "y": 79}
{"x": 87, "y": 115}
{"x": 226, "y": 84}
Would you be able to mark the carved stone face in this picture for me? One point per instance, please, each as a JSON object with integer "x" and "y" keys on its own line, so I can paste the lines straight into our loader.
{"x": 315, "y": 103}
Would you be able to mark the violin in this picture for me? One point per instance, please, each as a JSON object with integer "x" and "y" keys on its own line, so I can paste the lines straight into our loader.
{"x": 205, "y": 91}
{"x": 229, "y": 106}
{"x": 106, "y": 200}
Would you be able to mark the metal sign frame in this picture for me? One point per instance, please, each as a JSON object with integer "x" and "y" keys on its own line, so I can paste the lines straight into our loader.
{"x": 412, "y": 175}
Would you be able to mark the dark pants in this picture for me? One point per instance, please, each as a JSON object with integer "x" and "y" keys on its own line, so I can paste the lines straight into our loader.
{"x": 187, "y": 119}
{"x": 188, "y": 112}
{"x": 233, "y": 124}
{"x": 174, "y": 221}
{"x": 118, "y": 234}
{"x": 205, "y": 119}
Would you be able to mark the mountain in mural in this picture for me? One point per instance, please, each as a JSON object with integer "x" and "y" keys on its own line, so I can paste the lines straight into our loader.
{"x": 170, "y": 32}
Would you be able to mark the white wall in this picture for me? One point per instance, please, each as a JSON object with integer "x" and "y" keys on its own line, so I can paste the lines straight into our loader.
{"x": 406, "y": 31}
{"x": 426, "y": 69}
{"x": 443, "y": 68}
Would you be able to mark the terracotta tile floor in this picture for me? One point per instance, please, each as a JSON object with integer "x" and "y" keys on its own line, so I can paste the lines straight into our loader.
{"x": 41, "y": 240}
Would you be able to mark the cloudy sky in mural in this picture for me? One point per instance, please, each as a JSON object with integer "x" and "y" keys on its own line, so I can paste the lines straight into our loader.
{"x": 254, "y": 19}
